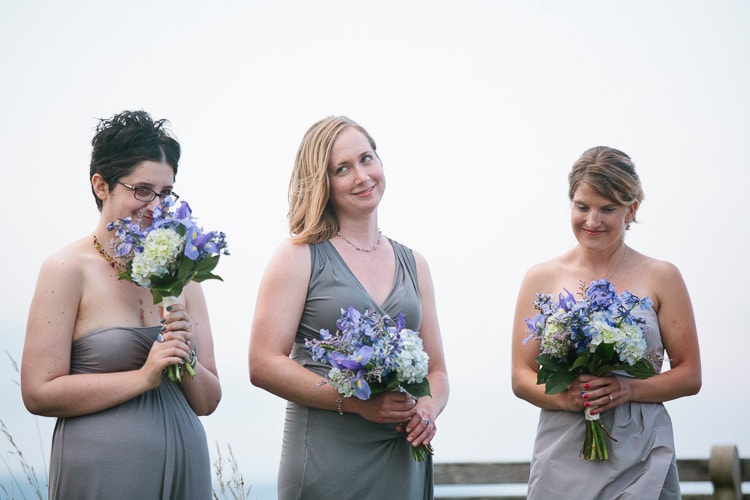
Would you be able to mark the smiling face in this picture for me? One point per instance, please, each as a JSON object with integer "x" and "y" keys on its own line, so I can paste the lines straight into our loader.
{"x": 357, "y": 182}
{"x": 598, "y": 223}
{"x": 119, "y": 202}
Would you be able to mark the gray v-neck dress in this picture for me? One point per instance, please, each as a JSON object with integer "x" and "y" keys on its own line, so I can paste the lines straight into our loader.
{"x": 326, "y": 455}
{"x": 151, "y": 447}
{"x": 642, "y": 463}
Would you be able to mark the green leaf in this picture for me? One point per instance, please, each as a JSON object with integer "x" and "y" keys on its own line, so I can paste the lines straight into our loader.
{"x": 641, "y": 369}
{"x": 418, "y": 390}
{"x": 551, "y": 364}
{"x": 582, "y": 361}
{"x": 558, "y": 382}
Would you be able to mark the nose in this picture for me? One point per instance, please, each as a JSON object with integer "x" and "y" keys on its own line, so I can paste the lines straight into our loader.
{"x": 360, "y": 174}
{"x": 156, "y": 202}
{"x": 592, "y": 218}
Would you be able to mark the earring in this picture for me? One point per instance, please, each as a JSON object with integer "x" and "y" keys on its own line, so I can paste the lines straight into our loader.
{"x": 627, "y": 226}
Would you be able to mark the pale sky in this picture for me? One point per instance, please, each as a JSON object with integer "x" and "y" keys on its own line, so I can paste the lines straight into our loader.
{"x": 478, "y": 108}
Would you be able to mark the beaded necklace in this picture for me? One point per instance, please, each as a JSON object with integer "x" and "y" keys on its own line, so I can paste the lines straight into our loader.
{"x": 113, "y": 263}
{"x": 371, "y": 249}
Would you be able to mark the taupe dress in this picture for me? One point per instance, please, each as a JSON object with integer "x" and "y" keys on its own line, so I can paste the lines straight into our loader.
{"x": 151, "y": 447}
{"x": 326, "y": 455}
{"x": 641, "y": 463}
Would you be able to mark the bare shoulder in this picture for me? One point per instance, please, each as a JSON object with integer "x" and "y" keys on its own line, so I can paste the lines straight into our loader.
{"x": 67, "y": 263}
{"x": 290, "y": 261}
{"x": 291, "y": 252}
{"x": 658, "y": 279}
{"x": 544, "y": 276}
{"x": 420, "y": 261}
{"x": 658, "y": 271}
{"x": 62, "y": 279}
{"x": 661, "y": 267}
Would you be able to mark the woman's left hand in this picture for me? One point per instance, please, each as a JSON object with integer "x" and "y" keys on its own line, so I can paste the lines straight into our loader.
{"x": 421, "y": 428}
{"x": 178, "y": 325}
{"x": 605, "y": 392}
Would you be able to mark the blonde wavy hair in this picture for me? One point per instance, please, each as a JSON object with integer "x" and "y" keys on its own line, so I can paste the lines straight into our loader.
{"x": 311, "y": 216}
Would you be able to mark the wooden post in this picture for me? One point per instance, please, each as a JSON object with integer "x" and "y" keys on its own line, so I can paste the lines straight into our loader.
{"x": 724, "y": 471}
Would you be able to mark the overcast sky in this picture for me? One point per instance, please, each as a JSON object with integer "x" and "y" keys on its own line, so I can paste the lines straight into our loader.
{"x": 478, "y": 108}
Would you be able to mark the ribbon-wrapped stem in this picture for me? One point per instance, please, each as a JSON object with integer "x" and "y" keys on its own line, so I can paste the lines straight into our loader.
{"x": 175, "y": 372}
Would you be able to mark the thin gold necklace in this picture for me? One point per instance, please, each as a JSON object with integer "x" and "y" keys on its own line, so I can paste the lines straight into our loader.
{"x": 371, "y": 249}
{"x": 113, "y": 263}
{"x": 617, "y": 269}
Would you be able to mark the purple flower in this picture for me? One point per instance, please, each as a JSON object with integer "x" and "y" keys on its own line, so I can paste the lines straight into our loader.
{"x": 197, "y": 243}
{"x": 357, "y": 362}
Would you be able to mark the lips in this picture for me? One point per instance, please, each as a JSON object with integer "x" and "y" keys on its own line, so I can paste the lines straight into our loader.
{"x": 365, "y": 192}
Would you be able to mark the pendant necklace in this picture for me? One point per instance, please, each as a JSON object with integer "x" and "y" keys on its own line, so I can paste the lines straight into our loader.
{"x": 617, "y": 269}
{"x": 360, "y": 249}
{"x": 113, "y": 263}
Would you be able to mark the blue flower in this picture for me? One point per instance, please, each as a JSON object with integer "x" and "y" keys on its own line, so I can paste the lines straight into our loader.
{"x": 196, "y": 243}
{"x": 355, "y": 363}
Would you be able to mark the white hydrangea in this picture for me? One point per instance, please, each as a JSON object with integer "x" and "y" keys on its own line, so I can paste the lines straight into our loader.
{"x": 342, "y": 382}
{"x": 412, "y": 363}
{"x": 633, "y": 346}
{"x": 603, "y": 331}
{"x": 160, "y": 250}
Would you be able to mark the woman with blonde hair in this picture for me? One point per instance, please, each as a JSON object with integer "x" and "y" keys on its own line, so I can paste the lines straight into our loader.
{"x": 336, "y": 447}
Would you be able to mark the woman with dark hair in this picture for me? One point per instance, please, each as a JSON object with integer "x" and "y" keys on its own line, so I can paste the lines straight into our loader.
{"x": 97, "y": 348}
{"x": 343, "y": 447}
{"x": 605, "y": 193}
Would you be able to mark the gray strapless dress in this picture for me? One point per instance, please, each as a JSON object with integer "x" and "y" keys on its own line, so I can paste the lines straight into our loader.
{"x": 641, "y": 463}
{"x": 326, "y": 455}
{"x": 151, "y": 447}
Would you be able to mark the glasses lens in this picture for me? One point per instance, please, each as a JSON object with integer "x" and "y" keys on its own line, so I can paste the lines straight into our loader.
{"x": 168, "y": 198}
{"x": 144, "y": 194}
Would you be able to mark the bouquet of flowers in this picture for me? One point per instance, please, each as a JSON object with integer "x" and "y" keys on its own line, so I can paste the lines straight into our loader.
{"x": 167, "y": 255}
{"x": 371, "y": 353}
{"x": 596, "y": 335}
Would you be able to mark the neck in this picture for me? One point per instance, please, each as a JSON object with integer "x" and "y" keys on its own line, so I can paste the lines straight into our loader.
{"x": 602, "y": 268}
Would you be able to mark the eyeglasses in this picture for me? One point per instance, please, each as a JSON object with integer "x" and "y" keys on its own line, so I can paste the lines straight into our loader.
{"x": 145, "y": 194}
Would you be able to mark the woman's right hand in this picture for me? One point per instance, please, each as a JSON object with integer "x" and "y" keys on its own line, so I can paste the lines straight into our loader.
{"x": 387, "y": 408}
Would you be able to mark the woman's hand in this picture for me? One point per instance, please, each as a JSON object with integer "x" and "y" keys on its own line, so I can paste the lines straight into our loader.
{"x": 173, "y": 346}
{"x": 388, "y": 407}
{"x": 598, "y": 393}
{"x": 420, "y": 429}
{"x": 177, "y": 324}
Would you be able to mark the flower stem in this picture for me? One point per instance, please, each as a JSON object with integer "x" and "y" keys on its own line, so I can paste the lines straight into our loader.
{"x": 421, "y": 452}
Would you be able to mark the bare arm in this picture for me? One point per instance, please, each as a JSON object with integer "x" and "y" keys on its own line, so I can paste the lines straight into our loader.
{"x": 46, "y": 384}
{"x": 202, "y": 392}
{"x": 279, "y": 306}
{"x": 680, "y": 338}
{"x": 429, "y": 407}
{"x": 524, "y": 368}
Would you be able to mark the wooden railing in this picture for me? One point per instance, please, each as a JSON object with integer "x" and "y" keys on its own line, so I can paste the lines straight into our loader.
{"x": 724, "y": 469}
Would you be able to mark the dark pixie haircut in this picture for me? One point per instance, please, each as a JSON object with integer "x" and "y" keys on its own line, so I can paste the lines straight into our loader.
{"x": 610, "y": 172}
{"x": 127, "y": 139}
